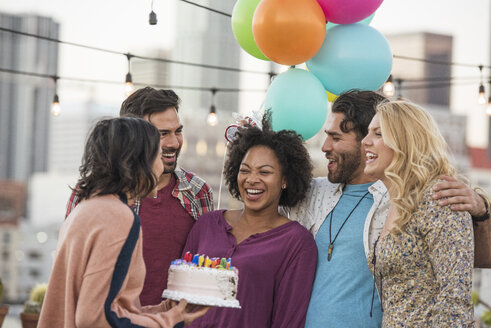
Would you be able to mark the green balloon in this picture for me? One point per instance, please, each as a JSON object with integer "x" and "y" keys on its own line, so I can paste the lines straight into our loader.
{"x": 242, "y": 27}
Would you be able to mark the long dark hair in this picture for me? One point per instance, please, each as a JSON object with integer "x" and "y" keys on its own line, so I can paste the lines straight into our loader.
{"x": 118, "y": 158}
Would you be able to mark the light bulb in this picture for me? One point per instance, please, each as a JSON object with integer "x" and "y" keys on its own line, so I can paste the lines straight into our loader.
{"x": 389, "y": 89}
{"x": 212, "y": 119}
{"x": 128, "y": 84}
{"x": 128, "y": 88}
{"x": 212, "y": 116}
{"x": 55, "y": 107}
{"x": 482, "y": 98}
{"x": 488, "y": 110}
{"x": 152, "y": 18}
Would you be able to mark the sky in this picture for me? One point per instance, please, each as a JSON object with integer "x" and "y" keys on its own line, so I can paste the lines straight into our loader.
{"x": 122, "y": 25}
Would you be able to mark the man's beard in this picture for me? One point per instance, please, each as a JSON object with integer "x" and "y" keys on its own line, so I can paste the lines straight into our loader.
{"x": 169, "y": 168}
{"x": 347, "y": 164}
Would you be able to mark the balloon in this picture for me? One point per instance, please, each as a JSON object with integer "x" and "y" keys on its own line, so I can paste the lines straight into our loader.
{"x": 331, "y": 97}
{"x": 289, "y": 32}
{"x": 354, "y": 56}
{"x": 297, "y": 101}
{"x": 242, "y": 27}
{"x": 365, "y": 21}
{"x": 348, "y": 11}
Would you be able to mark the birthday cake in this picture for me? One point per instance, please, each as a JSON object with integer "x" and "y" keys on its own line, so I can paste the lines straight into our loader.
{"x": 203, "y": 280}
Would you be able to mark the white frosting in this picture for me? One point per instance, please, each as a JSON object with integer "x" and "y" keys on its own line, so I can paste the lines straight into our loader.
{"x": 200, "y": 285}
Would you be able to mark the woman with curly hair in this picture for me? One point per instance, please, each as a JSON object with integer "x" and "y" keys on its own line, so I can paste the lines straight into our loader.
{"x": 276, "y": 257}
{"x": 98, "y": 272}
{"x": 422, "y": 262}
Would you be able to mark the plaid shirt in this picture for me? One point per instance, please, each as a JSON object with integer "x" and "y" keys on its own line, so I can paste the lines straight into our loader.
{"x": 194, "y": 194}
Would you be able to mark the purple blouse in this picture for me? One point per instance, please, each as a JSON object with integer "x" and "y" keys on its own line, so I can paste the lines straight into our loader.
{"x": 276, "y": 272}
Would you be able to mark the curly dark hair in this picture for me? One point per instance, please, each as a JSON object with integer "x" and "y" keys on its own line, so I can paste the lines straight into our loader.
{"x": 147, "y": 101}
{"x": 288, "y": 147}
{"x": 358, "y": 107}
{"x": 118, "y": 158}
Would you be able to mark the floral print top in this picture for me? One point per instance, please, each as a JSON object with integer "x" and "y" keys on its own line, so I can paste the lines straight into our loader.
{"x": 424, "y": 275}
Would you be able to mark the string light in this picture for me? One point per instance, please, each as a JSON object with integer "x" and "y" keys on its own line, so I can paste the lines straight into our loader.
{"x": 482, "y": 97}
{"x": 212, "y": 116}
{"x": 388, "y": 88}
{"x": 152, "y": 18}
{"x": 399, "y": 89}
{"x": 488, "y": 110}
{"x": 55, "y": 106}
{"x": 129, "y": 80}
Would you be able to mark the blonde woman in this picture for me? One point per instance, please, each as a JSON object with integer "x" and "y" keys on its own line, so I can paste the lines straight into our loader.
{"x": 422, "y": 262}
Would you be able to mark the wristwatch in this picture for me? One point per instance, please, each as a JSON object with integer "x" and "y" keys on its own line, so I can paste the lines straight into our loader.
{"x": 483, "y": 217}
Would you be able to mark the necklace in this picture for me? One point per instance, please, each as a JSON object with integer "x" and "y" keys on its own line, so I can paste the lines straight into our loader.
{"x": 331, "y": 242}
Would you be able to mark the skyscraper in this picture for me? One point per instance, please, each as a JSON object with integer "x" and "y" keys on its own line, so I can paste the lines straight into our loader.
{"x": 25, "y": 100}
{"x": 207, "y": 40}
{"x": 429, "y": 46}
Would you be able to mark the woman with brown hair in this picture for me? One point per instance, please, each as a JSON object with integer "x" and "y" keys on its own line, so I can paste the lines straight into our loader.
{"x": 98, "y": 272}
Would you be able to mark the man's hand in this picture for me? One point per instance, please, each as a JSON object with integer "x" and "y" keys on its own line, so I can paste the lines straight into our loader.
{"x": 459, "y": 195}
{"x": 189, "y": 312}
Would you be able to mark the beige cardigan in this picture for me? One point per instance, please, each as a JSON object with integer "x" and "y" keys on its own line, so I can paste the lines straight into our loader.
{"x": 95, "y": 237}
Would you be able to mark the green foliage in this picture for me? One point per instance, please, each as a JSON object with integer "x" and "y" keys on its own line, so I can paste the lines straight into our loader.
{"x": 475, "y": 298}
{"x": 37, "y": 293}
{"x": 32, "y": 307}
{"x": 486, "y": 317}
{"x": 36, "y": 298}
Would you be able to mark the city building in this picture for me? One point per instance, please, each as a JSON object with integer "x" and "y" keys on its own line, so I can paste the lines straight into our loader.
{"x": 12, "y": 210}
{"x": 208, "y": 40}
{"x": 25, "y": 100}
{"x": 428, "y": 46}
{"x": 68, "y": 133}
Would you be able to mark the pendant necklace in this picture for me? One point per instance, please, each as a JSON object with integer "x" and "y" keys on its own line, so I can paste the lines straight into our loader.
{"x": 331, "y": 242}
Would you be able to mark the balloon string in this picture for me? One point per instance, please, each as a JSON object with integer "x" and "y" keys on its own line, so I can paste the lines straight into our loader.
{"x": 221, "y": 176}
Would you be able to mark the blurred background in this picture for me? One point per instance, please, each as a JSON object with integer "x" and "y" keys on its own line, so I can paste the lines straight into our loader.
{"x": 82, "y": 52}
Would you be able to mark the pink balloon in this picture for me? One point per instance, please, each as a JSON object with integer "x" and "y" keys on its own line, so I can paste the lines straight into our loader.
{"x": 348, "y": 11}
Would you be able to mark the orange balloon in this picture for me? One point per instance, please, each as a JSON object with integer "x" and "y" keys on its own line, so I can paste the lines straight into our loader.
{"x": 289, "y": 32}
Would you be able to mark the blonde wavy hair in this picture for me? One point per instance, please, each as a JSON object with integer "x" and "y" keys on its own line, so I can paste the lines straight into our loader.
{"x": 420, "y": 155}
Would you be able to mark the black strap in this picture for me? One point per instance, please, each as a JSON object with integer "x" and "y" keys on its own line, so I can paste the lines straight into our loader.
{"x": 120, "y": 272}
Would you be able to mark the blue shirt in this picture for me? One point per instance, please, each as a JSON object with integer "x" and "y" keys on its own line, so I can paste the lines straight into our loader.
{"x": 342, "y": 291}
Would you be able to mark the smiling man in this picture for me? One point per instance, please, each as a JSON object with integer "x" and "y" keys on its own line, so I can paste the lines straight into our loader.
{"x": 346, "y": 212}
{"x": 182, "y": 197}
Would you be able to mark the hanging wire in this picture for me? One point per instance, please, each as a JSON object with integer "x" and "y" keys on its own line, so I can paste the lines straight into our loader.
{"x": 207, "y": 8}
{"x": 42, "y": 75}
{"x": 217, "y": 67}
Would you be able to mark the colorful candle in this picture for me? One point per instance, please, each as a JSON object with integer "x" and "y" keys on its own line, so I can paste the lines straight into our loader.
{"x": 195, "y": 259}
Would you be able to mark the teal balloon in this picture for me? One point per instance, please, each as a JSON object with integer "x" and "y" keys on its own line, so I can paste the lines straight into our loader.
{"x": 297, "y": 101}
{"x": 365, "y": 21}
{"x": 354, "y": 56}
{"x": 242, "y": 15}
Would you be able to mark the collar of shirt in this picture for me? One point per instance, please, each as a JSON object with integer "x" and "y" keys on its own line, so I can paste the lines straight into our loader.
{"x": 323, "y": 196}
{"x": 189, "y": 190}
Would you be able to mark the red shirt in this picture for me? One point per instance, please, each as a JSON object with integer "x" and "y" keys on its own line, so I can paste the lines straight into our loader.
{"x": 165, "y": 226}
